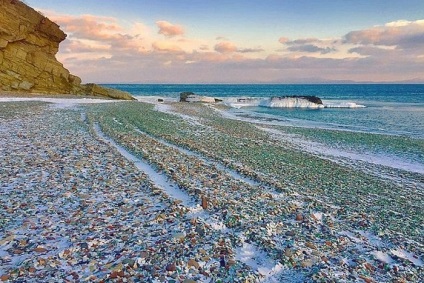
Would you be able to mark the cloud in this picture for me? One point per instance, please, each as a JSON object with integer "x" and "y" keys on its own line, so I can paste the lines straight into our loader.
{"x": 204, "y": 47}
{"x": 308, "y": 45}
{"x": 166, "y": 46}
{"x": 311, "y": 49}
{"x": 106, "y": 32}
{"x": 225, "y": 47}
{"x": 302, "y": 41}
{"x": 209, "y": 57}
{"x": 168, "y": 29}
{"x": 89, "y": 26}
{"x": 404, "y": 34}
{"x": 229, "y": 47}
{"x": 283, "y": 40}
{"x": 106, "y": 49}
{"x": 74, "y": 46}
{"x": 371, "y": 51}
{"x": 250, "y": 50}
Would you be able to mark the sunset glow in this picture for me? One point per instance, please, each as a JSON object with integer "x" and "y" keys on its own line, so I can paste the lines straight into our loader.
{"x": 162, "y": 42}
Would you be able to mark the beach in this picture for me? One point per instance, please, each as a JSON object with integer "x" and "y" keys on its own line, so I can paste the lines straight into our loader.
{"x": 108, "y": 191}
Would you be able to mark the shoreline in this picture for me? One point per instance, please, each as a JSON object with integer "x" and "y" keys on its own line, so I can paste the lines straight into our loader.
{"x": 308, "y": 218}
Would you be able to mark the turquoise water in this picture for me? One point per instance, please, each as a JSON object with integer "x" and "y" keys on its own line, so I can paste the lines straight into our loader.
{"x": 413, "y": 93}
{"x": 390, "y": 109}
{"x": 389, "y": 129}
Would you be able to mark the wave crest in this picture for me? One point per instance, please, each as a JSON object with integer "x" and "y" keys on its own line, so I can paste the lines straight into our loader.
{"x": 308, "y": 102}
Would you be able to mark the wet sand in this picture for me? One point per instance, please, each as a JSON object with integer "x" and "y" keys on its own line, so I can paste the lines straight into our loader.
{"x": 121, "y": 191}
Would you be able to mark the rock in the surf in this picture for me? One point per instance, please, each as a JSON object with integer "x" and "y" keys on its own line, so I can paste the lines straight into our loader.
{"x": 294, "y": 102}
{"x": 192, "y": 97}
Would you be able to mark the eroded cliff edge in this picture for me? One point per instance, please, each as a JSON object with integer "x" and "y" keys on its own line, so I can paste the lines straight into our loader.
{"x": 29, "y": 42}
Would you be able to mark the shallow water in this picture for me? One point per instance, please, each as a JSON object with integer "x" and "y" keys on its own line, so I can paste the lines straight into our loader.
{"x": 390, "y": 111}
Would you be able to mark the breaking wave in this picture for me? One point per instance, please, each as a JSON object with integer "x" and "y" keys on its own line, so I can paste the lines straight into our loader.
{"x": 287, "y": 102}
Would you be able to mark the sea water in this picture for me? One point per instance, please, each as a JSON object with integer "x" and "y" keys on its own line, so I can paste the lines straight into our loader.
{"x": 382, "y": 122}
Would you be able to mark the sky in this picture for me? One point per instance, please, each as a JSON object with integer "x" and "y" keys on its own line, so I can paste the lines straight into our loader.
{"x": 240, "y": 41}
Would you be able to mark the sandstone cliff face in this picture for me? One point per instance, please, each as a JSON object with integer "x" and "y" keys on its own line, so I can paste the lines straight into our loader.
{"x": 28, "y": 45}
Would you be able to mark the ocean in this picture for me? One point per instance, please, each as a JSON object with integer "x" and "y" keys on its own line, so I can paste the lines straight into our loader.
{"x": 378, "y": 123}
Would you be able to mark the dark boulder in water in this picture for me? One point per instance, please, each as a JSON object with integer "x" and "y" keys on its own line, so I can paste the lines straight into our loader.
{"x": 185, "y": 95}
{"x": 192, "y": 97}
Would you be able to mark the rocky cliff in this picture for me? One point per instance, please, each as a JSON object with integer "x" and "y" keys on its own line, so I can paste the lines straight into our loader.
{"x": 28, "y": 44}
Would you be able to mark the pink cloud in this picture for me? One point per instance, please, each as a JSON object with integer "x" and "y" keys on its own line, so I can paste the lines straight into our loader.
{"x": 404, "y": 34}
{"x": 74, "y": 46}
{"x": 88, "y": 33}
{"x": 89, "y": 26}
{"x": 102, "y": 49}
{"x": 225, "y": 47}
{"x": 166, "y": 46}
{"x": 204, "y": 47}
{"x": 283, "y": 40}
{"x": 207, "y": 57}
{"x": 168, "y": 29}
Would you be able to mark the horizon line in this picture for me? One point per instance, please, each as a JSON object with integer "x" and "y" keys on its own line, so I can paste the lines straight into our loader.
{"x": 264, "y": 83}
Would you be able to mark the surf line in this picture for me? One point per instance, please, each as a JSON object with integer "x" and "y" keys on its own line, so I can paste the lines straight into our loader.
{"x": 172, "y": 190}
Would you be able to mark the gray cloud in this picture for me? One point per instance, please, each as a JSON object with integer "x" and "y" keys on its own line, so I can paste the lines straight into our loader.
{"x": 303, "y": 41}
{"x": 311, "y": 49}
{"x": 250, "y": 50}
{"x": 309, "y": 45}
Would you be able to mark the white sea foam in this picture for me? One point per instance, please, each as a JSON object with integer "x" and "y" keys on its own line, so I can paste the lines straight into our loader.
{"x": 343, "y": 105}
{"x": 167, "y": 108}
{"x": 290, "y": 102}
{"x": 275, "y": 102}
{"x": 286, "y": 102}
{"x": 368, "y": 157}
